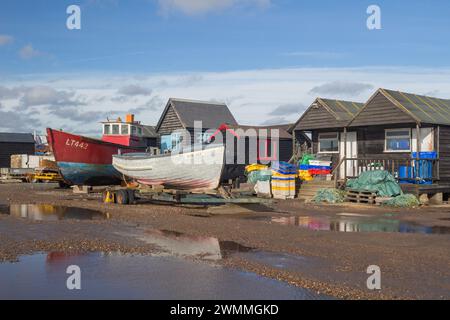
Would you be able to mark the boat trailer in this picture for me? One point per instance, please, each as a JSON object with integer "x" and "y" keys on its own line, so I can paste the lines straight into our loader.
{"x": 129, "y": 195}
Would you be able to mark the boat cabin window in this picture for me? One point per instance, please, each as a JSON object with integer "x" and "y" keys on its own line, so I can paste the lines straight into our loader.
{"x": 133, "y": 130}
{"x": 139, "y": 131}
{"x": 107, "y": 129}
{"x": 125, "y": 129}
{"x": 397, "y": 140}
{"x": 115, "y": 129}
{"x": 329, "y": 142}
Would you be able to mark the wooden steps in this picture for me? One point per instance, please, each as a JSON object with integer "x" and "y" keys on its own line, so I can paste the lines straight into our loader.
{"x": 309, "y": 189}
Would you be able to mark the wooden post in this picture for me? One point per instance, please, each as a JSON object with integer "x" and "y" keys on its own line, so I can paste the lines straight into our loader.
{"x": 294, "y": 151}
{"x": 438, "y": 152}
{"x": 417, "y": 150}
{"x": 345, "y": 154}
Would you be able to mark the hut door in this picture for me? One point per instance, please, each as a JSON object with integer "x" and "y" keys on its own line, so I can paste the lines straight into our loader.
{"x": 351, "y": 152}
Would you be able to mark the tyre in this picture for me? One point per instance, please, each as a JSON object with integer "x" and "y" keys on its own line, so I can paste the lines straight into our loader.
{"x": 63, "y": 185}
{"x": 131, "y": 196}
{"x": 122, "y": 197}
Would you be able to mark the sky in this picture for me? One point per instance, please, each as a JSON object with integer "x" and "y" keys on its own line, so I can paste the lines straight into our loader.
{"x": 267, "y": 59}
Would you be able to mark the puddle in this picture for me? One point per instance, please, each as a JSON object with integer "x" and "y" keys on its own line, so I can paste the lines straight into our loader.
{"x": 278, "y": 260}
{"x": 51, "y": 213}
{"x": 179, "y": 244}
{"x": 344, "y": 214}
{"x": 357, "y": 224}
{"x": 115, "y": 276}
{"x": 212, "y": 249}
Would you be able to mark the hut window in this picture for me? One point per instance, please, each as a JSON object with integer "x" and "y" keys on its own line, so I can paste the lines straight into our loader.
{"x": 329, "y": 142}
{"x": 125, "y": 129}
{"x": 177, "y": 139}
{"x": 203, "y": 137}
{"x": 398, "y": 140}
{"x": 115, "y": 129}
{"x": 107, "y": 129}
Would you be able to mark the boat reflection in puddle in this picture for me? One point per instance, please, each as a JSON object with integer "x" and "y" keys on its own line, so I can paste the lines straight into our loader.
{"x": 212, "y": 249}
{"x": 358, "y": 224}
{"x": 179, "y": 244}
{"x": 44, "y": 212}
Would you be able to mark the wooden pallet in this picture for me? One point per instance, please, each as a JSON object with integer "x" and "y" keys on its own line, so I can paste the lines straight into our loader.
{"x": 357, "y": 196}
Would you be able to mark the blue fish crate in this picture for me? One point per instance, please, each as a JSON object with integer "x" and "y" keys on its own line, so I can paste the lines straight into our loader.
{"x": 310, "y": 167}
{"x": 422, "y": 170}
{"x": 432, "y": 155}
{"x": 284, "y": 167}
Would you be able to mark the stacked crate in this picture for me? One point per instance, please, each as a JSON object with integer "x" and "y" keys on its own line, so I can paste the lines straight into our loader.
{"x": 283, "y": 180}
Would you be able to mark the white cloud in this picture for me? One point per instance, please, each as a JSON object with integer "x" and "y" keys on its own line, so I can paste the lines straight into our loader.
{"x": 28, "y": 52}
{"x": 341, "y": 88}
{"x": 10, "y": 93}
{"x": 275, "y": 121}
{"x": 288, "y": 109}
{"x": 135, "y": 90}
{"x": 254, "y": 96}
{"x": 5, "y": 39}
{"x": 45, "y": 95}
{"x": 195, "y": 7}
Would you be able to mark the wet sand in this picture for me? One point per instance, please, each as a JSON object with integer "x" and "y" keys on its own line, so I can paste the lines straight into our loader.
{"x": 300, "y": 244}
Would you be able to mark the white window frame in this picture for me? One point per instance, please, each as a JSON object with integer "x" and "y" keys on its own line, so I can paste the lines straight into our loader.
{"x": 104, "y": 129}
{"x": 329, "y": 152}
{"x": 115, "y": 125}
{"x": 124, "y": 126}
{"x": 393, "y": 130}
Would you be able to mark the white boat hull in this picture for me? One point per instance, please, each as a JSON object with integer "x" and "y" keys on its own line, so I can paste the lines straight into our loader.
{"x": 200, "y": 169}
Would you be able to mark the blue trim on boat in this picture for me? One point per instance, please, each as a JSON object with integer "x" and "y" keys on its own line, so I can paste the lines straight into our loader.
{"x": 89, "y": 174}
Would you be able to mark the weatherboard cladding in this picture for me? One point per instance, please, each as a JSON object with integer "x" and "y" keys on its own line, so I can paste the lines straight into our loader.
{"x": 14, "y": 143}
{"x": 327, "y": 113}
{"x": 282, "y": 130}
{"x": 170, "y": 122}
{"x": 388, "y": 106}
{"x": 444, "y": 153}
{"x": 381, "y": 111}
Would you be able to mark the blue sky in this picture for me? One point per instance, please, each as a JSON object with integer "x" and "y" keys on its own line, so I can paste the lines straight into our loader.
{"x": 278, "y": 51}
{"x": 138, "y": 36}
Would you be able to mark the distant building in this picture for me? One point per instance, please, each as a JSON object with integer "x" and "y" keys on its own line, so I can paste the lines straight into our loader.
{"x": 269, "y": 148}
{"x": 15, "y": 143}
{"x": 263, "y": 144}
{"x": 181, "y": 114}
{"x": 325, "y": 121}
